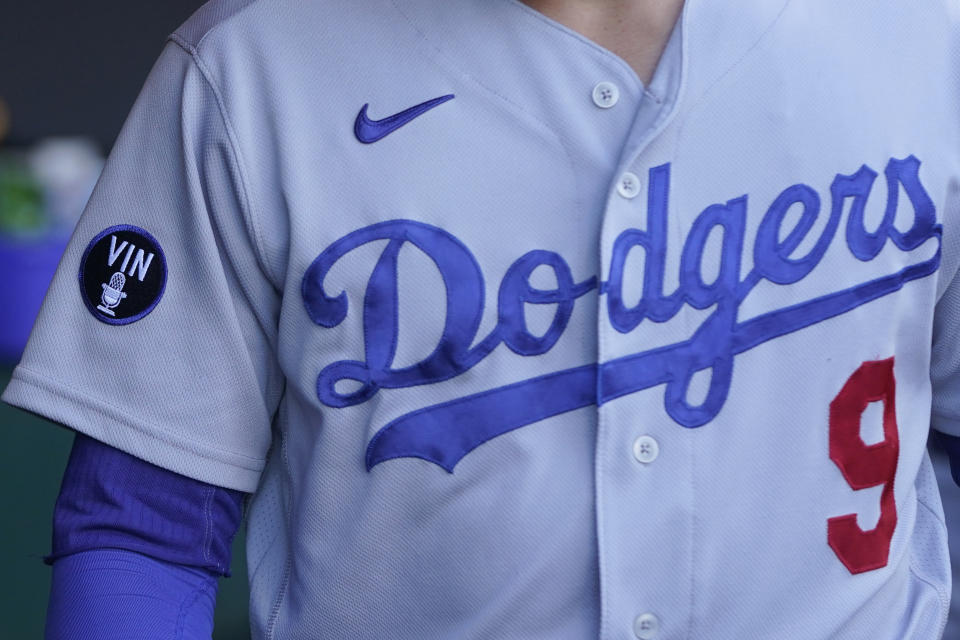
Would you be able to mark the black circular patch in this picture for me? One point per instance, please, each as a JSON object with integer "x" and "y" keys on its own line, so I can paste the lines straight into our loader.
{"x": 122, "y": 274}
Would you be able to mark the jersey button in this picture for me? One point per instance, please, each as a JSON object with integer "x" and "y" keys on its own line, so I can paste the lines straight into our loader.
{"x": 605, "y": 95}
{"x": 646, "y": 626}
{"x": 645, "y": 449}
{"x": 628, "y": 185}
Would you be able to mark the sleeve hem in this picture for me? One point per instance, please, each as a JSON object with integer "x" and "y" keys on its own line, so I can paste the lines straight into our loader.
{"x": 30, "y": 391}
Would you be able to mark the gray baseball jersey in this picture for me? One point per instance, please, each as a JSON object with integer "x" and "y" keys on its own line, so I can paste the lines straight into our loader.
{"x": 511, "y": 345}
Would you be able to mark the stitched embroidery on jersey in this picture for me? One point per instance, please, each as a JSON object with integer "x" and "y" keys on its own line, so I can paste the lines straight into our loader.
{"x": 446, "y": 432}
{"x": 123, "y": 274}
{"x": 369, "y": 131}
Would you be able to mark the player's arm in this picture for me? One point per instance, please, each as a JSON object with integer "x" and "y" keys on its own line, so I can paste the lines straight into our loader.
{"x": 158, "y": 337}
{"x": 113, "y": 594}
{"x": 137, "y": 550}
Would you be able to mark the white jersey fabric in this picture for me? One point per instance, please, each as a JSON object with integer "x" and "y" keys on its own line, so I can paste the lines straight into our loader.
{"x": 561, "y": 356}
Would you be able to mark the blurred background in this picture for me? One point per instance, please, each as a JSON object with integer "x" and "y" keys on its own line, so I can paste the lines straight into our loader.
{"x": 69, "y": 73}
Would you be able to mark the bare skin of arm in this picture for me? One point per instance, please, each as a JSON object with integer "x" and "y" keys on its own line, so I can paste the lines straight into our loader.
{"x": 635, "y": 30}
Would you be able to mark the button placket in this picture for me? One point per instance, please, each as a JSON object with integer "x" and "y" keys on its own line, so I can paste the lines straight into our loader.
{"x": 631, "y": 478}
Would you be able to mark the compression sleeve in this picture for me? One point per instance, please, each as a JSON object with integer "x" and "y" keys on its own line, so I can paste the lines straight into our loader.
{"x": 114, "y": 594}
{"x": 109, "y": 498}
{"x": 137, "y": 549}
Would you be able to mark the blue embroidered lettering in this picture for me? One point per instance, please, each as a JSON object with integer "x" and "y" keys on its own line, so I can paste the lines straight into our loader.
{"x": 653, "y": 304}
{"x": 863, "y": 244}
{"x": 444, "y": 433}
{"x": 515, "y": 290}
{"x": 771, "y": 258}
{"x": 463, "y": 284}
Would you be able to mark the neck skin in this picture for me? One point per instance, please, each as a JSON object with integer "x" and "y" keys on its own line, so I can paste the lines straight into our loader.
{"x": 635, "y": 30}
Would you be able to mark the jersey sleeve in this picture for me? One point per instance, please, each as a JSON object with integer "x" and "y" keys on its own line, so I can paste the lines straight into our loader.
{"x": 158, "y": 333}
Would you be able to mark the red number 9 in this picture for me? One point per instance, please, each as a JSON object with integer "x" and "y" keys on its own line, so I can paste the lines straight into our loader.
{"x": 864, "y": 465}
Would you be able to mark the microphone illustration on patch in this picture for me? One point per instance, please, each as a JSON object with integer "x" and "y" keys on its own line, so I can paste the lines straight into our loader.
{"x": 112, "y": 293}
{"x": 123, "y": 274}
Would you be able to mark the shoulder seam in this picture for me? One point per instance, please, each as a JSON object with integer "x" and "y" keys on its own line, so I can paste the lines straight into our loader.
{"x": 186, "y": 26}
{"x": 246, "y": 201}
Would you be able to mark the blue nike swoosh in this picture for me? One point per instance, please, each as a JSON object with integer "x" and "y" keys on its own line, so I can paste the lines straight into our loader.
{"x": 368, "y": 131}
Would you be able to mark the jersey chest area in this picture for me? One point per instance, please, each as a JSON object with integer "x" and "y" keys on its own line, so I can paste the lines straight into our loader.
{"x": 705, "y": 329}
{"x": 469, "y": 318}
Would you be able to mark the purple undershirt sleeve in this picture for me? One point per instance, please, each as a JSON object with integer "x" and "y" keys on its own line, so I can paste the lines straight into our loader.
{"x": 110, "y": 499}
{"x": 137, "y": 550}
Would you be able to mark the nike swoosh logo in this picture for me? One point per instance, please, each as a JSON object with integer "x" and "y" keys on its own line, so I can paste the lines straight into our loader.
{"x": 369, "y": 131}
